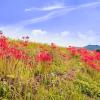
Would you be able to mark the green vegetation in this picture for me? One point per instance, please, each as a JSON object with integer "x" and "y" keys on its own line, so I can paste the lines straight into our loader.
{"x": 62, "y": 77}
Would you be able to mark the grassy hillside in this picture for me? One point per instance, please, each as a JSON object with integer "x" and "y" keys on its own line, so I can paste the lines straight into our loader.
{"x": 32, "y": 71}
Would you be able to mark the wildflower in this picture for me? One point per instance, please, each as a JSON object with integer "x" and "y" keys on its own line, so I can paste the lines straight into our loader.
{"x": 91, "y": 58}
{"x": 43, "y": 56}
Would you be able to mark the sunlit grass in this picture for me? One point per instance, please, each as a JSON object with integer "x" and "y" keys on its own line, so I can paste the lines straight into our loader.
{"x": 65, "y": 77}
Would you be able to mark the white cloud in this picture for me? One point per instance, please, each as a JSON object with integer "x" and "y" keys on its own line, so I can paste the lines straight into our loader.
{"x": 55, "y": 7}
{"x": 38, "y": 32}
{"x": 14, "y": 31}
{"x": 90, "y": 4}
{"x": 64, "y": 38}
{"x": 52, "y": 14}
{"x": 89, "y": 37}
{"x": 47, "y": 8}
{"x": 56, "y": 11}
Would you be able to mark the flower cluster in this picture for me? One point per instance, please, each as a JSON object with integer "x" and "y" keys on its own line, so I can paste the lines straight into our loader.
{"x": 92, "y": 58}
{"x": 18, "y": 51}
{"x": 43, "y": 56}
{"x": 7, "y": 50}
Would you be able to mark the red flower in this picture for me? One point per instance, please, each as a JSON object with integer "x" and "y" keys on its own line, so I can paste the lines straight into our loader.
{"x": 43, "y": 56}
{"x": 91, "y": 58}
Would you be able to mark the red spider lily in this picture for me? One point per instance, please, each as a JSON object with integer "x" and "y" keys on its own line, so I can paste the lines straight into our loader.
{"x": 43, "y": 56}
{"x": 9, "y": 50}
{"x": 73, "y": 50}
{"x": 92, "y": 58}
{"x": 3, "y": 42}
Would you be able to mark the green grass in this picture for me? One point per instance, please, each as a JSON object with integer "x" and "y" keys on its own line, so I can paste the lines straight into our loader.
{"x": 63, "y": 79}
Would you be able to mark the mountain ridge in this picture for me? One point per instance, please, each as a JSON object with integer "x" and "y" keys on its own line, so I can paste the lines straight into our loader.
{"x": 92, "y": 47}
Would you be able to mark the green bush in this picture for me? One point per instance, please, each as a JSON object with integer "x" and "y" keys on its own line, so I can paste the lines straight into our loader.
{"x": 87, "y": 87}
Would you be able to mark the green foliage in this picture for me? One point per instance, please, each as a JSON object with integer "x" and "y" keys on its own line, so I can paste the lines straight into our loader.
{"x": 64, "y": 79}
{"x": 4, "y": 90}
{"x": 88, "y": 87}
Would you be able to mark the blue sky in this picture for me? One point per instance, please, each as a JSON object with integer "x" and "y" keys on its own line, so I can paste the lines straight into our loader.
{"x": 64, "y": 22}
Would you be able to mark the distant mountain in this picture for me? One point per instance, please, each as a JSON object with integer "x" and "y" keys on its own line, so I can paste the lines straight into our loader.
{"x": 92, "y": 47}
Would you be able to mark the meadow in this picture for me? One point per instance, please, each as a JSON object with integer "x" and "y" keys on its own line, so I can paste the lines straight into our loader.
{"x": 34, "y": 71}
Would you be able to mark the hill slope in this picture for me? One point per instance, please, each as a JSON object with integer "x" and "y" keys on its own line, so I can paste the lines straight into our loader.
{"x": 32, "y": 71}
